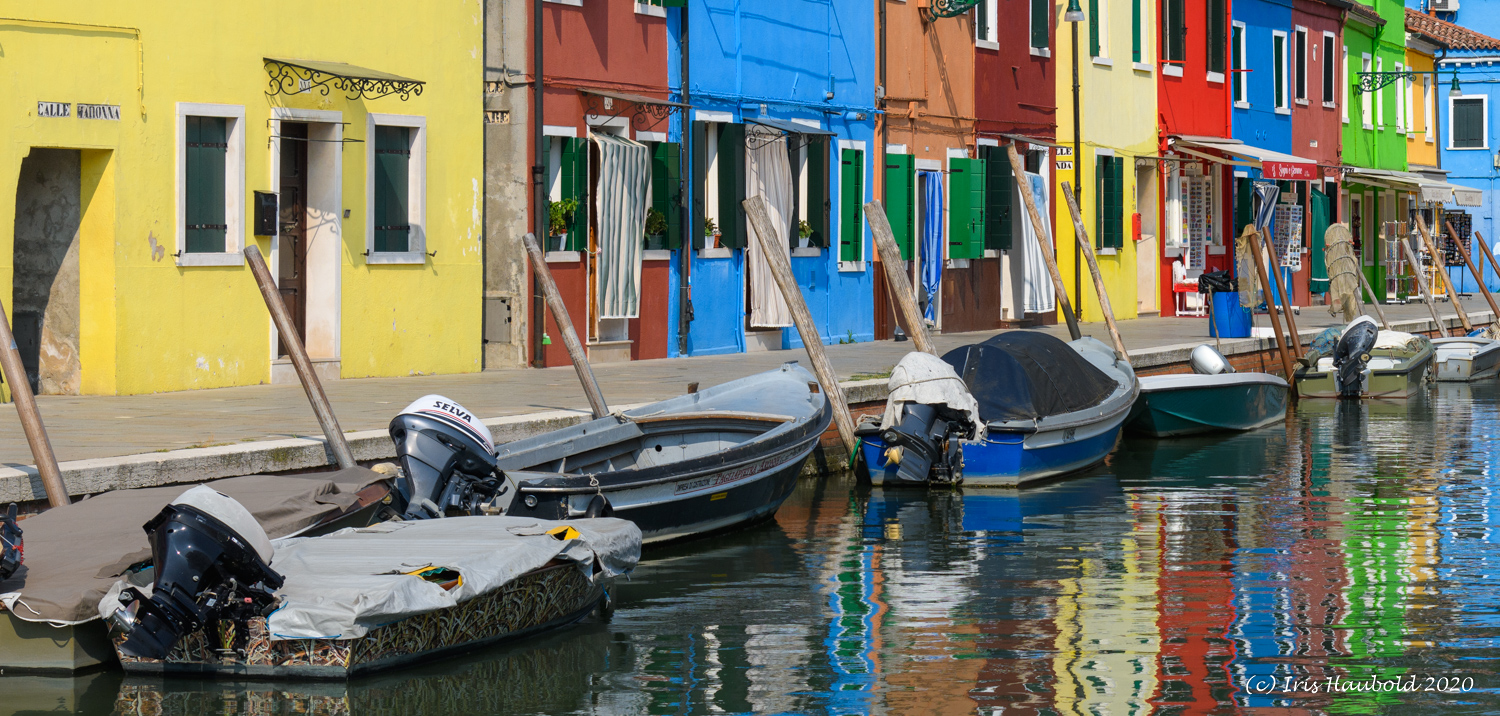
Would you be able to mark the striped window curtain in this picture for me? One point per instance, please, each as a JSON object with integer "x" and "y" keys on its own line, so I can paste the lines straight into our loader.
{"x": 768, "y": 174}
{"x": 620, "y": 204}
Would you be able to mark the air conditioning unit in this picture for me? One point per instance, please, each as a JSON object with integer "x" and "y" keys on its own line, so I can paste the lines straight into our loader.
{"x": 1443, "y": 5}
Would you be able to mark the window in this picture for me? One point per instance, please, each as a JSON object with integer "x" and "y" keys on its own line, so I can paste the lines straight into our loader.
{"x": 1173, "y": 32}
{"x": 719, "y": 176}
{"x": 210, "y": 184}
{"x": 1098, "y": 29}
{"x": 1429, "y": 107}
{"x": 986, "y": 21}
{"x": 1400, "y": 102}
{"x": 654, "y": 8}
{"x": 1278, "y": 71}
{"x": 396, "y": 179}
{"x": 1239, "y": 78}
{"x": 1299, "y": 72}
{"x": 1379, "y": 96}
{"x": 999, "y": 199}
{"x": 966, "y": 208}
{"x": 1329, "y": 68}
{"x": 1109, "y": 201}
{"x": 1217, "y": 21}
{"x": 1409, "y": 124}
{"x": 851, "y": 204}
{"x": 1041, "y": 22}
{"x": 666, "y": 193}
{"x": 1366, "y": 108}
{"x": 1468, "y": 117}
{"x": 900, "y": 200}
{"x": 567, "y": 179}
{"x": 813, "y": 190}
{"x": 1137, "y": 39}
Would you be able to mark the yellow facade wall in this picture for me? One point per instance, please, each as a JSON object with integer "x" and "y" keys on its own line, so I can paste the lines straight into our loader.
{"x": 149, "y": 324}
{"x": 1421, "y": 144}
{"x": 1118, "y": 115}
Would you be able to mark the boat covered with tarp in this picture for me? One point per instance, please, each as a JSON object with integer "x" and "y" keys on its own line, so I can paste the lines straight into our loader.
{"x": 226, "y": 601}
{"x": 1035, "y": 407}
{"x": 75, "y": 553}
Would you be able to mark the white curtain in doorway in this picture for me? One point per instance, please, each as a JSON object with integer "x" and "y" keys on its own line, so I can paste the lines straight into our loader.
{"x": 1037, "y": 295}
{"x": 620, "y": 205}
{"x": 768, "y": 174}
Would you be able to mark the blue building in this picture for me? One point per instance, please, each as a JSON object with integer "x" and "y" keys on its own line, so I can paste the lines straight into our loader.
{"x": 782, "y": 95}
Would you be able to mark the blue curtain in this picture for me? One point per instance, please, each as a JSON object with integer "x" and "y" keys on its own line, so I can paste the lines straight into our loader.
{"x": 932, "y": 240}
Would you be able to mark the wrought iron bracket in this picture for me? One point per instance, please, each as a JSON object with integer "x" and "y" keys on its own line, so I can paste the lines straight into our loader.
{"x": 642, "y": 115}
{"x": 759, "y": 135}
{"x": 1371, "y": 81}
{"x": 288, "y": 79}
{"x": 950, "y": 8}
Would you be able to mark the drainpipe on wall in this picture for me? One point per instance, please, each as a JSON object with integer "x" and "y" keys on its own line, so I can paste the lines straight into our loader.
{"x": 538, "y": 185}
{"x": 685, "y": 162}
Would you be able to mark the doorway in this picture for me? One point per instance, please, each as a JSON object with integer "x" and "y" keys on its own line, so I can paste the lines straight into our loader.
{"x": 307, "y": 255}
{"x": 45, "y": 288}
{"x": 1147, "y": 248}
{"x": 291, "y": 268}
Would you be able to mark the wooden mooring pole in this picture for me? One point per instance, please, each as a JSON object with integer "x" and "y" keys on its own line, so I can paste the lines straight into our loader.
{"x": 1265, "y": 284}
{"x": 781, "y": 270}
{"x": 1437, "y": 260}
{"x": 565, "y": 324}
{"x": 322, "y": 409}
{"x": 31, "y": 417}
{"x": 1081, "y": 234}
{"x": 1422, "y": 286}
{"x": 1295, "y": 339}
{"x": 895, "y": 277}
{"x": 1478, "y": 275}
{"x": 1039, "y": 227}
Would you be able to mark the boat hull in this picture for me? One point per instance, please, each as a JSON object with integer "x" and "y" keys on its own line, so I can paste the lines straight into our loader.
{"x": 1402, "y": 382}
{"x": 1460, "y": 360}
{"x": 1171, "y": 406}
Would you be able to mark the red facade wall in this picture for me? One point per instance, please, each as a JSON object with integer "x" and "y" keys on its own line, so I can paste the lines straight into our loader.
{"x": 649, "y": 333}
{"x": 1014, "y": 90}
{"x": 572, "y": 283}
{"x": 1318, "y": 131}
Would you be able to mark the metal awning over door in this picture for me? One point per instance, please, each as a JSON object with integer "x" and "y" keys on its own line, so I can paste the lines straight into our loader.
{"x": 290, "y": 77}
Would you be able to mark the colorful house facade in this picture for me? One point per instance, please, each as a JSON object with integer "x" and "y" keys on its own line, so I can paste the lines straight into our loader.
{"x": 146, "y": 148}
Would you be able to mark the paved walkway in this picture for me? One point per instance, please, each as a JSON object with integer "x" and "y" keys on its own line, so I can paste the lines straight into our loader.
{"x": 83, "y": 427}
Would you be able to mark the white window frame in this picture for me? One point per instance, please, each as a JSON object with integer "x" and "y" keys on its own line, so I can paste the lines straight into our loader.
{"x": 1379, "y": 96}
{"x": 1429, "y": 107}
{"x": 1366, "y": 99}
{"x": 1299, "y": 73}
{"x": 1400, "y": 101}
{"x": 1284, "y": 69}
{"x": 1344, "y": 82}
{"x": 1410, "y": 124}
{"x": 234, "y": 185}
{"x": 642, "y": 8}
{"x": 1485, "y": 103}
{"x": 1333, "y": 81}
{"x": 991, "y": 38}
{"x": 416, "y": 192}
{"x": 859, "y": 266}
{"x": 570, "y": 3}
{"x": 1239, "y": 79}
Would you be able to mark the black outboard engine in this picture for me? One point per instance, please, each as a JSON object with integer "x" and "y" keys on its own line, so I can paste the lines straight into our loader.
{"x": 447, "y": 460}
{"x": 1352, "y": 355}
{"x": 12, "y": 551}
{"x": 920, "y": 445}
{"x": 212, "y": 564}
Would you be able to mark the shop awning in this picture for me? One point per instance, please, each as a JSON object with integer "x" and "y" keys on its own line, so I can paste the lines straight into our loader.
{"x": 303, "y": 76}
{"x": 1438, "y": 192}
{"x": 1461, "y": 195}
{"x": 789, "y": 127}
{"x": 1273, "y": 165}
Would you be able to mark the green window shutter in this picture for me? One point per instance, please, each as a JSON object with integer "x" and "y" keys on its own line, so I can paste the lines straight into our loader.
{"x": 207, "y": 150}
{"x": 1244, "y": 212}
{"x": 1215, "y": 36}
{"x": 1109, "y": 202}
{"x": 1175, "y": 29}
{"x": 666, "y": 188}
{"x": 1468, "y": 123}
{"x": 851, "y": 201}
{"x": 1278, "y": 68}
{"x": 899, "y": 200}
{"x": 1236, "y": 42}
{"x": 999, "y": 200}
{"x": 575, "y": 177}
{"x": 982, "y": 20}
{"x": 1135, "y": 30}
{"x": 966, "y": 208}
{"x": 818, "y": 200}
{"x": 1093, "y": 28}
{"x": 1101, "y": 199}
{"x": 1041, "y": 17}
{"x": 1118, "y": 196}
{"x": 392, "y": 177}
{"x": 672, "y": 3}
{"x": 732, "y": 186}
{"x": 1317, "y": 225}
{"x": 699, "y": 146}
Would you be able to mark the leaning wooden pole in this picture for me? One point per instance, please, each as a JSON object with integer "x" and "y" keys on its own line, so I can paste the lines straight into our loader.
{"x": 895, "y": 278}
{"x": 1081, "y": 234}
{"x": 1286, "y": 306}
{"x": 1265, "y": 284}
{"x": 1478, "y": 275}
{"x": 1422, "y": 286}
{"x": 1485, "y": 247}
{"x": 31, "y": 417}
{"x": 565, "y": 324}
{"x": 1039, "y": 226}
{"x": 1437, "y": 260}
{"x": 781, "y": 270}
{"x": 1374, "y": 300}
{"x": 314, "y": 389}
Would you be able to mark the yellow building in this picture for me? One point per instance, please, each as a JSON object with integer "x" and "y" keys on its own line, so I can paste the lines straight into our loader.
{"x": 1419, "y": 94}
{"x": 1118, "y": 122}
{"x": 138, "y": 139}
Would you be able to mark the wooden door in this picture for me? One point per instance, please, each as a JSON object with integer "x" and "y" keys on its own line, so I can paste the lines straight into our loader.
{"x": 292, "y": 267}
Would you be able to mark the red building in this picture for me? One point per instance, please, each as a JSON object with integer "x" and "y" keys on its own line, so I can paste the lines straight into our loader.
{"x": 1193, "y": 102}
{"x": 1317, "y": 129}
{"x": 605, "y": 74}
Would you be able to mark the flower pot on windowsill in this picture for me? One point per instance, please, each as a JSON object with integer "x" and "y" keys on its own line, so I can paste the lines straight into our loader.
{"x": 557, "y": 242}
{"x": 718, "y": 241}
{"x": 804, "y": 242}
{"x": 656, "y": 242}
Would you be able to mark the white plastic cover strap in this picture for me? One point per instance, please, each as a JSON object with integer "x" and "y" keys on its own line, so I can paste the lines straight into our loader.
{"x": 926, "y": 379}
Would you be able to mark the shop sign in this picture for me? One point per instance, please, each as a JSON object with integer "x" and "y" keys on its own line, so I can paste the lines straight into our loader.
{"x": 53, "y": 109}
{"x": 1289, "y": 171}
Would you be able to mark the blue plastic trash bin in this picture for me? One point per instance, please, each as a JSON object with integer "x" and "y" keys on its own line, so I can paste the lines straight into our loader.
{"x": 1230, "y": 320}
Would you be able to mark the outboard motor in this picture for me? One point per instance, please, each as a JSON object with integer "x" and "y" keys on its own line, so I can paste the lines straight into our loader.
{"x": 1207, "y": 361}
{"x": 1352, "y": 355}
{"x": 12, "y": 551}
{"x": 447, "y": 460}
{"x": 212, "y": 564}
{"x": 920, "y": 447}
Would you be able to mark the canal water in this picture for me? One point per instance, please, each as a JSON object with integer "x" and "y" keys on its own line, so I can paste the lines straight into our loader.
{"x": 1340, "y": 563}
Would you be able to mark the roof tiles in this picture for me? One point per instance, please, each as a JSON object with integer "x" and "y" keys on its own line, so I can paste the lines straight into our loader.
{"x": 1446, "y": 33}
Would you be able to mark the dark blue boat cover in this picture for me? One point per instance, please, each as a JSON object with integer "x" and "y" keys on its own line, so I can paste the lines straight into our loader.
{"x": 1024, "y": 375}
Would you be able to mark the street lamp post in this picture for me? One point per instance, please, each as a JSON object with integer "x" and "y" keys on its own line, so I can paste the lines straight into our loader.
{"x": 1074, "y": 15}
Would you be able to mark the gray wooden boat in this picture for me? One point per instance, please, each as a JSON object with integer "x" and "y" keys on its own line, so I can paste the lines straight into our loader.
{"x": 1466, "y": 358}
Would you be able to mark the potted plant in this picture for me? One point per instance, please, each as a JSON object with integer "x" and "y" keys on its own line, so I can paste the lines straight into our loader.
{"x": 559, "y": 216}
{"x": 710, "y": 233}
{"x": 656, "y": 229}
{"x": 804, "y": 234}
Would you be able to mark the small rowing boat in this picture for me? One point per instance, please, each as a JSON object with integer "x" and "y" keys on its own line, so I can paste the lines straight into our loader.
{"x": 1212, "y": 398}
